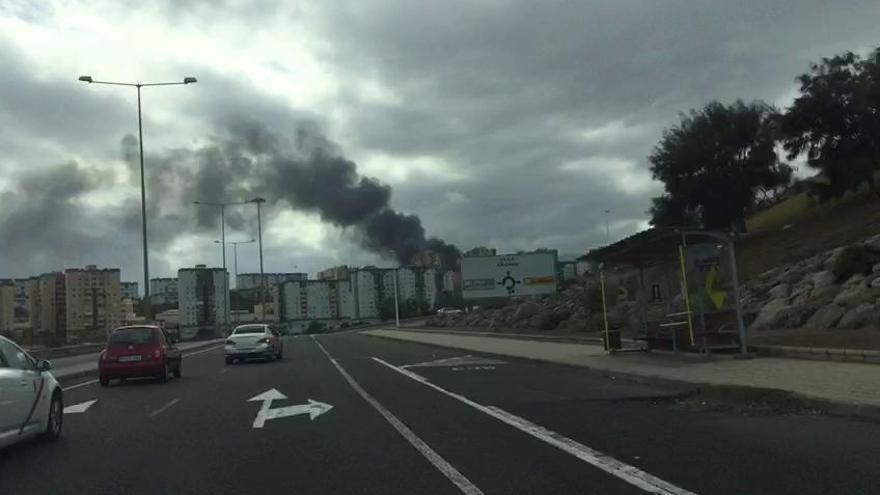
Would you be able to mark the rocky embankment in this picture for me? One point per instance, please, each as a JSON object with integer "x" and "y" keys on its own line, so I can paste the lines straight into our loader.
{"x": 839, "y": 288}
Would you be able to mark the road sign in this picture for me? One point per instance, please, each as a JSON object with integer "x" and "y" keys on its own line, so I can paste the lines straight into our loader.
{"x": 508, "y": 276}
{"x": 312, "y": 408}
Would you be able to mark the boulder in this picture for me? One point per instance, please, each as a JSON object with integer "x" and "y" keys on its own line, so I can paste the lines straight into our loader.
{"x": 822, "y": 279}
{"x": 861, "y": 316}
{"x": 781, "y": 291}
{"x": 854, "y": 295}
{"x": 798, "y": 315}
{"x": 825, "y": 317}
{"x": 525, "y": 311}
{"x": 875, "y": 284}
{"x": 876, "y": 268}
{"x": 790, "y": 276}
{"x": 856, "y": 279}
{"x": 773, "y": 315}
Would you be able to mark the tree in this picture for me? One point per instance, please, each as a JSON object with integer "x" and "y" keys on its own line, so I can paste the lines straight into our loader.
{"x": 714, "y": 162}
{"x": 835, "y": 122}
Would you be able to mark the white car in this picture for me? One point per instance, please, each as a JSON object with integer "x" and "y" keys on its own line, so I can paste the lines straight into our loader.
{"x": 31, "y": 401}
{"x": 449, "y": 311}
{"x": 253, "y": 341}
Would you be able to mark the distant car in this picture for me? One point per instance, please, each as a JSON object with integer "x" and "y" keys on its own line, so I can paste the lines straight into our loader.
{"x": 448, "y": 311}
{"x": 253, "y": 341}
{"x": 139, "y": 351}
{"x": 31, "y": 400}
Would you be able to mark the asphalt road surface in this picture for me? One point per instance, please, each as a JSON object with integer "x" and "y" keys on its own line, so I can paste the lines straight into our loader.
{"x": 396, "y": 417}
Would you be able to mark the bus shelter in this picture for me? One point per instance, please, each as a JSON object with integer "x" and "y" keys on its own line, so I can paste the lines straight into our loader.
{"x": 674, "y": 289}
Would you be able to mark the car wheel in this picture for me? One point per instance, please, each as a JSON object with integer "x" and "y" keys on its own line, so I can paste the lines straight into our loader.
{"x": 179, "y": 369}
{"x": 228, "y": 360}
{"x": 164, "y": 376}
{"x": 104, "y": 381}
{"x": 55, "y": 419}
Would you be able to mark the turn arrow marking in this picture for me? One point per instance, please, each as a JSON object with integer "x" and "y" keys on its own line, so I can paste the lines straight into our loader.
{"x": 313, "y": 408}
{"x": 79, "y": 408}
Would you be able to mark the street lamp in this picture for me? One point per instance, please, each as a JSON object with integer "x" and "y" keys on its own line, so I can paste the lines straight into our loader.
{"x": 186, "y": 80}
{"x": 222, "y": 207}
{"x": 235, "y": 260}
{"x": 259, "y": 202}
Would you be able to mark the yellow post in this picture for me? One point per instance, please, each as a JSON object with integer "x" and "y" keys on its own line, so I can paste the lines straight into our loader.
{"x": 604, "y": 309}
{"x": 687, "y": 297}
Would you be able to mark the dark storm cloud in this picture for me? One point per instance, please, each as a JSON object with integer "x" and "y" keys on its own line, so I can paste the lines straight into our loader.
{"x": 501, "y": 88}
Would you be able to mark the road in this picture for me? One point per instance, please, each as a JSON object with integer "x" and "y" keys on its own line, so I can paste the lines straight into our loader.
{"x": 410, "y": 418}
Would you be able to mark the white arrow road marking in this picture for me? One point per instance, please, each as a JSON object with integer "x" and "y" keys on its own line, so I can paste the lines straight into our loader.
{"x": 79, "y": 408}
{"x": 313, "y": 408}
{"x": 605, "y": 462}
{"x": 459, "y": 361}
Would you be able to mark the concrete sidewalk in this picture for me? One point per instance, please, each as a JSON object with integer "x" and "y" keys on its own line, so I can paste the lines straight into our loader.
{"x": 839, "y": 387}
{"x": 85, "y": 364}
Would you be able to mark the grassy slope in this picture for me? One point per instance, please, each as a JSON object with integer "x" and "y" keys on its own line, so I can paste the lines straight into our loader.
{"x": 813, "y": 229}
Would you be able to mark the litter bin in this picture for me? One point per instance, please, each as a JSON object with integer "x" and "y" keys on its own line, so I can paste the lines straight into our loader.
{"x": 612, "y": 340}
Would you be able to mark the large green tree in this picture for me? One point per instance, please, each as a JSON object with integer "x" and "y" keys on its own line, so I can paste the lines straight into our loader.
{"x": 835, "y": 122}
{"x": 714, "y": 163}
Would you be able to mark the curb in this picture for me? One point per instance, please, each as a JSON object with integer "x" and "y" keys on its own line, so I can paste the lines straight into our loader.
{"x": 819, "y": 353}
{"x": 732, "y": 393}
{"x": 93, "y": 371}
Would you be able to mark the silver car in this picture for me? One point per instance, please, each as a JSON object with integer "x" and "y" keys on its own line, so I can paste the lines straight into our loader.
{"x": 31, "y": 401}
{"x": 253, "y": 341}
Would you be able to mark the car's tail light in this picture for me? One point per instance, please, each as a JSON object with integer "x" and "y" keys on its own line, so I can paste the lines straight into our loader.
{"x": 264, "y": 340}
{"x": 230, "y": 342}
{"x": 158, "y": 353}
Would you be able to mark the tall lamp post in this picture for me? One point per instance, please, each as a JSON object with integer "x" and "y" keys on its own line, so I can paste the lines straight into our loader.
{"x": 235, "y": 259}
{"x": 259, "y": 202}
{"x": 222, "y": 207}
{"x": 148, "y": 310}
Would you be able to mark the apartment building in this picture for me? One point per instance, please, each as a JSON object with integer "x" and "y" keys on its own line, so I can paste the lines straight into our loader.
{"x": 92, "y": 300}
{"x": 163, "y": 290}
{"x": 47, "y": 307}
{"x": 336, "y": 273}
{"x": 202, "y": 296}
{"x": 129, "y": 290}
{"x": 7, "y": 306}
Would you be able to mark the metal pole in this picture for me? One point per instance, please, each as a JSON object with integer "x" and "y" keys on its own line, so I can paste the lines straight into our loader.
{"x": 148, "y": 309}
{"x": 743, "y": 347}
{"x": 396, "y": 304}
{"x": 225, "y": 273}
{"x": 235, "y": 264}
{"x": 607, "y": 228}
{"x": 262, "y": 275}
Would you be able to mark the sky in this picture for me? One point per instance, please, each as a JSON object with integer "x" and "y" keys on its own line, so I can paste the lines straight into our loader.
{"x": 511, "y": 124}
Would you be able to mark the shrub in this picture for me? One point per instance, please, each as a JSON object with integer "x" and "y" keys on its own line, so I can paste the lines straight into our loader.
{"x": 855, "y": 259}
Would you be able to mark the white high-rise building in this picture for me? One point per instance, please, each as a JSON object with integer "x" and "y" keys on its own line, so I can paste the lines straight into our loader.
{"x": 202, "y": 298}
{"x": 163, "y": 290}
{"x": 92, "y": 299}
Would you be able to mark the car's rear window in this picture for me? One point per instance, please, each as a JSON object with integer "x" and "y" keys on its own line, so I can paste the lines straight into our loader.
{"x": 250, "y": 329}
{"x": 133, "y": 336}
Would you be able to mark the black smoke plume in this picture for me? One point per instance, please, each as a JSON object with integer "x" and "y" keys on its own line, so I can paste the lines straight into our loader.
{"x": 304, "y": 171}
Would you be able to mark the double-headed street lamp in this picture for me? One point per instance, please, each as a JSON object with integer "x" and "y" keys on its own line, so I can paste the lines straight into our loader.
{"x": 235, "y": 258}
{"x": 187, "y": 80}
{"x": 259, "y": 202}
{"x": 222, "y": 207}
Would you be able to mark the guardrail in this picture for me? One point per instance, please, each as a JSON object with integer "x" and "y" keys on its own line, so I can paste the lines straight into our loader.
{"x": 69, "y": 350}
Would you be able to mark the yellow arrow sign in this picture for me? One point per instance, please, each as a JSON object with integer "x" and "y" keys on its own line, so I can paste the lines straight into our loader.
{"x": 718, "y": 297}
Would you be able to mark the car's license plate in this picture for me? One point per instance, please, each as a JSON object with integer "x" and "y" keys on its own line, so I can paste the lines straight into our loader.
{"x": 124, "y": 359}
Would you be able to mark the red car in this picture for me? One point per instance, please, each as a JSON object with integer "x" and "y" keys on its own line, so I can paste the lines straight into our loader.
{"x": 139, "y": 351}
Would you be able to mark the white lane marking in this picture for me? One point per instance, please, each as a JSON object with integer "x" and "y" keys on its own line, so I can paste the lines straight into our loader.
{"x": 427, "y": 452}
{"x": 166, "y": 406}
{"x": 610, "y": 465}
{"x": 79, "y": 408}
{"x": 458, "y": 361}
{"x": 83, "y": 384}
{"x": 78, "y": 385}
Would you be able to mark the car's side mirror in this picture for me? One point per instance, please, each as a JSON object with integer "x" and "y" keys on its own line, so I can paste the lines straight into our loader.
{"x": 44, "y": 365}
